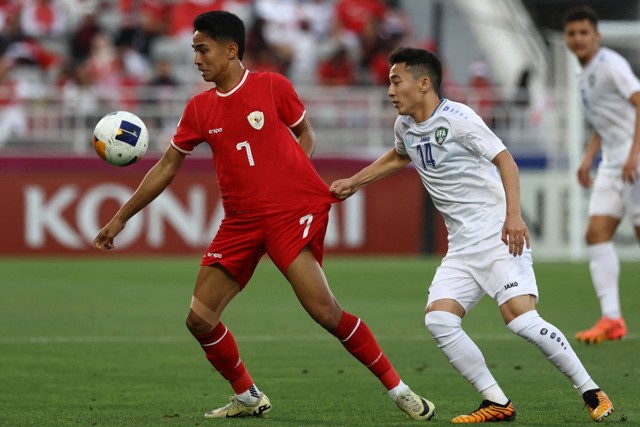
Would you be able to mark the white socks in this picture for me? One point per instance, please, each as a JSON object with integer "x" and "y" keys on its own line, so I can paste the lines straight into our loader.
{"x": 466, "y": 357}
{"x": 463, "y": 353}
{"x": 553, "y": 345}
{"x": 605, "y": 270}
{"x": 399, "y": 389}
{"x": 250, "y": 396}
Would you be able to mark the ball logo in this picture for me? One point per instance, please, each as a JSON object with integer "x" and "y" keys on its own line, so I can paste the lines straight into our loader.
{"x": 128, "y": 133}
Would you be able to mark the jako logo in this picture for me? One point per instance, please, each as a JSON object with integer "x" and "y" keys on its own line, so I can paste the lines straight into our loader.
{"x": 510, "y": 285}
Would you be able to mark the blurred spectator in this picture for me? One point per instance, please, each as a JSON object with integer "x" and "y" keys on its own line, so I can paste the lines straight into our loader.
{"x": 304, "y": 57}
{"x": 114, "y": 81}
{"x": 146, "y": 20}
{"x": 12, "y": 116}
{"x": 259, "y": 56}
{"x": 82, "y": 38}
{"x": 318, "y": 14}
{"x": 337, "y": 69}
{"x": 29, "y": 51}
{"x": 523, "y": 97}
{"x": 354, "y": 15}
{"x": 281, "y": 21}
{"x": 160, "y": 100}
{"x": 155, "y": 13}
{"x": 44, "y": 18}
{"x": 397, "y": 24}
{"x": 79, "y": 98}
{"x": 183, "y": 13}
{"x": 135, "y": 63}
{"x": 481, "y": 94}
{"x": 163, "y": 76}
{"x": 9, "y": 11}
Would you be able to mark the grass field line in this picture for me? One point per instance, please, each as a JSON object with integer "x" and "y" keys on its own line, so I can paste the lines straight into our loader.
{"x": 159, "y": 339}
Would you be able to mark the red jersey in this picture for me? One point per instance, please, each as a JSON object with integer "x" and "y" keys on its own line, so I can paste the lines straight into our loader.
{"x": 259, "y": 164}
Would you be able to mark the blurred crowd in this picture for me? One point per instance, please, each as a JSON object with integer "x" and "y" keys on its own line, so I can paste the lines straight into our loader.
{"x": 111, "y": 43}
{"x": 92, "y": 56}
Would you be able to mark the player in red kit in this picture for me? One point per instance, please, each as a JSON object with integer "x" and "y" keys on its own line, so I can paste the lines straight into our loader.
{"x": 274, "y": 202}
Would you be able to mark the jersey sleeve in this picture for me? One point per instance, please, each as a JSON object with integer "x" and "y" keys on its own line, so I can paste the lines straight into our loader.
{"x": 188, "y": 134}
{"x": 398, "y": 134}
{"x": 290, "y": 109}
{"x": 480, "y": 138}
{"x": 623, "y": 78}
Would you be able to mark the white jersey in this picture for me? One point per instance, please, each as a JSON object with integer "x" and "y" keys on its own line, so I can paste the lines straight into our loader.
{"x": 606, "y": 84}
{"x": 452, "y": 152}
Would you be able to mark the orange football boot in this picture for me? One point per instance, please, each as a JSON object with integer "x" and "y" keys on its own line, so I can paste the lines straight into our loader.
{"x": 488, "y": 412}
{"x": 605, "y": 329}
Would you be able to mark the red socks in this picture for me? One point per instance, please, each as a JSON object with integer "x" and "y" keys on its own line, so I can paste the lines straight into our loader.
{"x": 222, "y": 352}
{"x": 357, "y": 338}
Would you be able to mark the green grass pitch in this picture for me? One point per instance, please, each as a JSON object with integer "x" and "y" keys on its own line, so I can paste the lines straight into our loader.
{"x": 101, "y": 341}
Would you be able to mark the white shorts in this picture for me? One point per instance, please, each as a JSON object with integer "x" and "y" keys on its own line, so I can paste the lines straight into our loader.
{"x": 612, "y": 197}
{"x": 486, "y": 267}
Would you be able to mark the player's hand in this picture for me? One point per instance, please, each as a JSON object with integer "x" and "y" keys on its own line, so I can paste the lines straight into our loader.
{"x": 584, "y": 174}
{"x": 630, "y": 170}
{"x": 343, "y": 188}
{"x": 515, "y": 234}
{"x": 104, "y": 239}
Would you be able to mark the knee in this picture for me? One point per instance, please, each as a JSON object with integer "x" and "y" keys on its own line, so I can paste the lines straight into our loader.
{"x": 326, "y": 316}
{"x": 594, "y": 236}
{"x": 196, "y": 324}
{"x": 442, "y": 324}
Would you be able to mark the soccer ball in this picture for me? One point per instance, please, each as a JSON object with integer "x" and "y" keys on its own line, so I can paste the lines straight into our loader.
{"x": 120, "y": 138}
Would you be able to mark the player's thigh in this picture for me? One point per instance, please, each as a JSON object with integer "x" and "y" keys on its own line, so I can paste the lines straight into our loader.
{"x": 607, "y": 197}
{"x": 453, "y": 281}
{"x": 237, "y": 247}
{"x": 634, "y": 205}
{"x": 501, "y": 275}
{"x": 214, "y": 289}
{"x": 312, "y": 290}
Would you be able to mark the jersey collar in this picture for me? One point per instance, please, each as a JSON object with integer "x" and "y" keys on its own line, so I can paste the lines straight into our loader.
{"x": 439, "y": 107}
{"x": 235, "y": 89}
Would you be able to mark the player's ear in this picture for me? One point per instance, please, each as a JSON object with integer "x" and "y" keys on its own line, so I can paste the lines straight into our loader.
{"x": 232, "y": 50}
{"x": 425, "y": 83}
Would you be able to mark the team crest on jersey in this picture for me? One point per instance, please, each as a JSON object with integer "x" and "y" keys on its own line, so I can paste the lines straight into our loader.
{"x": 256, "y": 119}
{"x": 592, "y": 80}
{"x": 441, "y": 135}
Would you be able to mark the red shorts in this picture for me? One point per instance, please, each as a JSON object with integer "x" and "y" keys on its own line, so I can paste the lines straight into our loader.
{"x": 244, "y": 238}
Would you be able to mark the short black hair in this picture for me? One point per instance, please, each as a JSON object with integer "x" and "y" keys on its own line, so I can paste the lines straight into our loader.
{"x": 221, "y": 25}
{"x": 419, "y": 62}
{"x": 580, "y": 13}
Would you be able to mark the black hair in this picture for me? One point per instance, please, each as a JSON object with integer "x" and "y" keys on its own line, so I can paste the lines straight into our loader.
{"x": 580, "y": 13}
{"x": 419, "y": 62}
{"x": 221, "y": 25}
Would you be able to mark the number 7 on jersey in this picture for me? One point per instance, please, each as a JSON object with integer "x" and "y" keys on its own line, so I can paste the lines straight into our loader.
{"x": 246, "y": 146}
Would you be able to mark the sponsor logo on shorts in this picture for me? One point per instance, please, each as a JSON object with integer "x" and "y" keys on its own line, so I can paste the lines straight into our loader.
{"x": 214, "y": 255}
{"x": 214, "y": 131}
{"x": 510, "y": 285}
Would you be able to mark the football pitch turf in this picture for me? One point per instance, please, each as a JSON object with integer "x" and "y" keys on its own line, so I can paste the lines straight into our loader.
{"x": 102, "y": 342}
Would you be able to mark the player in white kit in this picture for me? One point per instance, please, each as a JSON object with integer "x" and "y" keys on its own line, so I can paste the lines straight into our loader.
{"x": 474, "y": 183}
{"x": 611, "y": 98}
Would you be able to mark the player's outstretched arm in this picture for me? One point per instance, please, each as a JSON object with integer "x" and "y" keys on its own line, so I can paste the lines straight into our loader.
{"x": 154, "y": 183}
{"x": 515, "y": 233}
{"x": 385, "y": 165}
{"x": 630, "y": 167}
